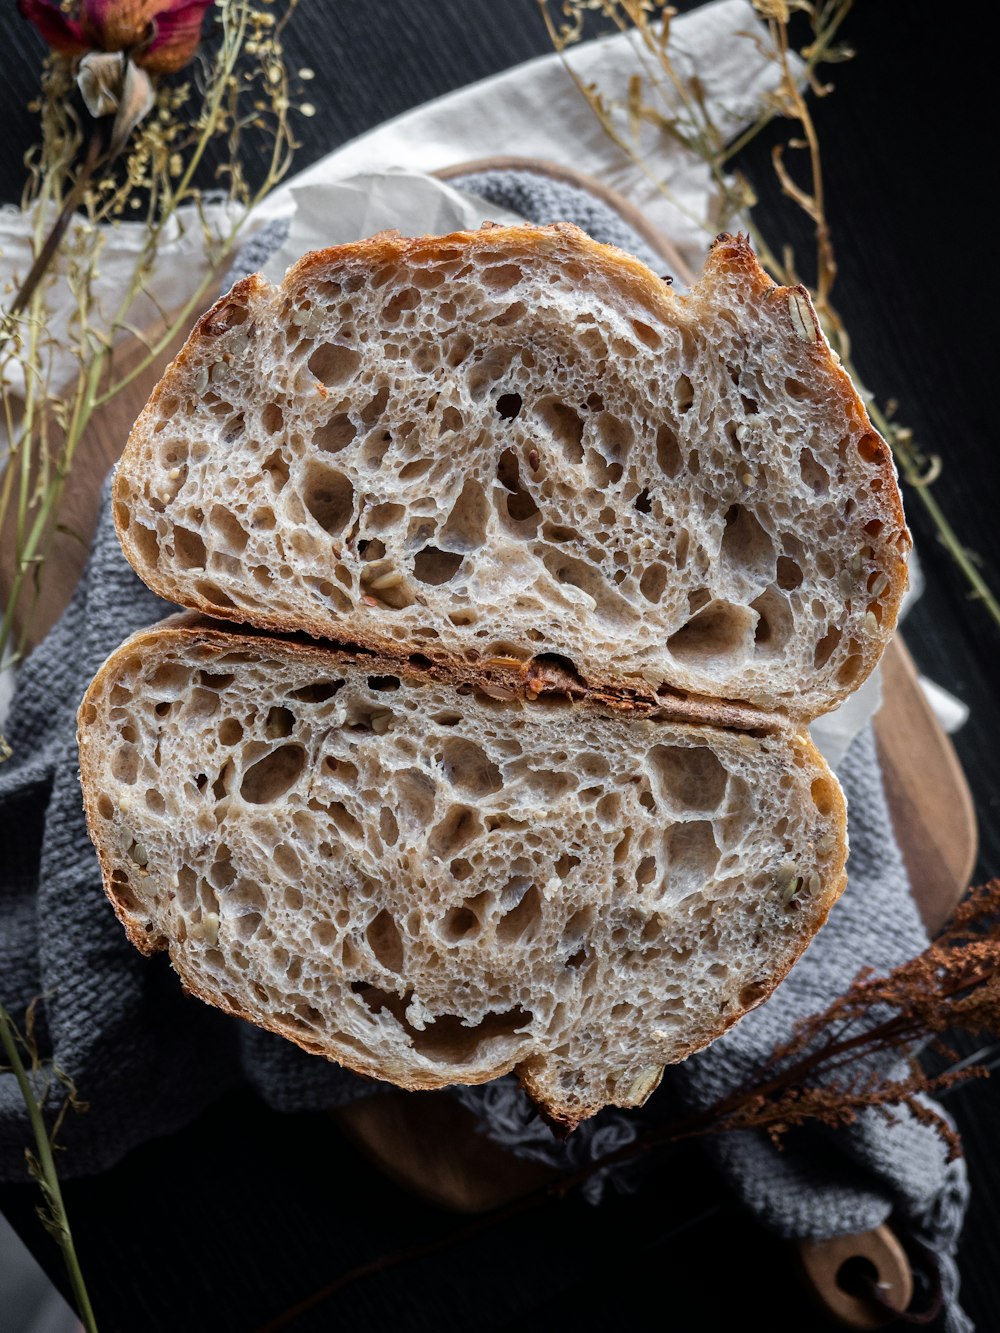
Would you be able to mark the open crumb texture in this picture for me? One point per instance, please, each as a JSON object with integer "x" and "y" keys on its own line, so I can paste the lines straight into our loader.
{"x": 433, "y": 880}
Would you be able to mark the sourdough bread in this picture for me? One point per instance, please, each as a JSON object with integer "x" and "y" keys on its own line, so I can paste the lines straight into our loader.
{"x": 517, "y": 441}
{"x": 431, "y": 877}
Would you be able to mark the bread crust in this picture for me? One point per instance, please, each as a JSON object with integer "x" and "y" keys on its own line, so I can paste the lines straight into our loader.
{"x": 730, "y": 261}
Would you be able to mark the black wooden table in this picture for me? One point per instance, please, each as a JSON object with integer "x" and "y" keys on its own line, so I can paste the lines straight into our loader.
{"x": 245, "y": 1212}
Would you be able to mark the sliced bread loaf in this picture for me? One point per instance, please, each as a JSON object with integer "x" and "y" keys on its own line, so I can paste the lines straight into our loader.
{"x": 431, "y": 877}
{"x": 517, "y": 441}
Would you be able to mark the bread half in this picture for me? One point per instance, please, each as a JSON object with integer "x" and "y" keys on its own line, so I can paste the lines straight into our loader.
{"x": 432, "y": 878}
{"x": 518, "y": 441}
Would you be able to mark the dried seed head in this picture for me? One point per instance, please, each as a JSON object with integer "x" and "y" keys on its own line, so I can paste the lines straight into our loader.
{"x": 803, "y": 316}
{"x": 643, "y": 1085}
{"x": 387, "y": 580}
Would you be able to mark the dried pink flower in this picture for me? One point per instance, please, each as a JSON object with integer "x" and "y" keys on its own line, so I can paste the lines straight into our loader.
{"x": 160, "y": 35}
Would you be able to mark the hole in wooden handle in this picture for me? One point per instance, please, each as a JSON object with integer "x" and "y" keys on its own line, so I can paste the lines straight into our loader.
{"x": 839, "y": 1270}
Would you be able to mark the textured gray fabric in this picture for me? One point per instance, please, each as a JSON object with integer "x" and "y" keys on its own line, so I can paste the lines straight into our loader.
{"x": 544, "y": 199}
{"x": 147, "y": 1058}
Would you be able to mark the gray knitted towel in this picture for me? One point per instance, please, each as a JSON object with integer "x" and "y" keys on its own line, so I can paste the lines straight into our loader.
{"x": 148, "y": 1058}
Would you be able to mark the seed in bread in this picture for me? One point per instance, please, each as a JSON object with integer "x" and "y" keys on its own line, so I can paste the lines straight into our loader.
{"x": 518, "y": 439}
{"x": 399, "y": 870}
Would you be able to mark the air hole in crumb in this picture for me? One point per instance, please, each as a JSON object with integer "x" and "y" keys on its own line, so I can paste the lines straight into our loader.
{"x": 329, "y": 497}
{"x": 125, "y": 765}
{"x": 753, "y": 993}
{"x": 747, "y": 552}
{"x": 826, "y": 645}
{"x": 870, "y": 448}
{"x": 317, "y": 693}
{"x": 501, "y": 277}
{"x": 287, "y": 861}
{"x": 645, "y": 871}
{"x": 272, "y": 418}
{"x": 334, "y": 434}
{"x": 383, "y": 682}
{"x": 408, "y": 298}
{"x": 220, "y": 787}
{"x": 789, "y": 573}
{"x": 434, "y": 566}
{"x": 642, "y": 502}
{"x": 824, "y": 795}
{"x": 521, "y": 922}
{"x": 279, "y": 722}
{"x": 609, "y": 604}
{"x": 345, "y": 821}
{"x": 465, "y": 527}
{"x": 615, "y": 435}
{"x": 689, "y": 779}
{"x": 520, "y": 505}
{"x": 334, "y": 364}
{"x": 214, "y": 595}
{"x": 509, "y": 406}
{"x": 446, "y": 1038}
{"x": 653, "y": 582}
{"x": 668, "y": 453}
{"x": 693, "y": 856}
{"x": 647, "y": 335}
{"x": 718, "y": 635}
{"x": 276, "y": 469}
{"x": 229, "y": 531}
{"x": 385, "y": 941}
{"x": 387, "y": 826}
{"x": 458, "y": 827}
{"x": 683, "y": 393}
{"x": 775, "y": 622}
{"x": 565, "y": 425}
{"x": 148, "y": 544}
{"x": 459, "y": 923}
{"x": 468, "y": 767}
{"x": 814, "y": 474}
{"x": 850, "y": 670}
{"x": 189, "y": 548}
{"x": 154, "y": 802}
{"x": 269, "y": 778}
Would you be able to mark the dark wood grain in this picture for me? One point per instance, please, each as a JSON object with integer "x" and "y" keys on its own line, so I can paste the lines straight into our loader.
{"x": 247, "y": 1211}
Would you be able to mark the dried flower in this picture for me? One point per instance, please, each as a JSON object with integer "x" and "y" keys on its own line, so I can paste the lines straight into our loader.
{"x": 111, "y": 84}
{"x": 159, "y": 35}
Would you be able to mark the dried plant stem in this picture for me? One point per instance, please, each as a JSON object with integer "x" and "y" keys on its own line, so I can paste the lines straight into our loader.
{"x": 52, "y": 242}
{"x": 910, "y": 469}
{"x": 48, "y": 1177}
